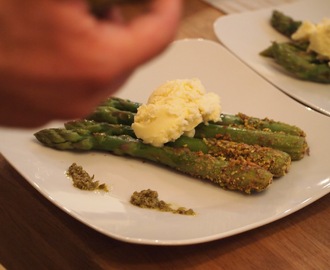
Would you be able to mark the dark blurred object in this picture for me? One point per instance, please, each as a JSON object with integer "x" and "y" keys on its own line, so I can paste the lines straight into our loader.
{"x": 100, "y": 7}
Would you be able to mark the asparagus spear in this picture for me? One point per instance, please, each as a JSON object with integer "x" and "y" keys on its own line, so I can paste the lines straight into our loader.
{"x": 283, "y": 23}
{"x": 122, "y": 111}
{"x": 112, "y": 115}
{"x": 262, "y": 124}
{"x": 301, "y": 64}
{"x": 275, "y": 161}
{"x": 93, "y": 126}
{"x": 300, "y": 46}
{"x": 239, "y": 175}
{"x": 122, "y": 104}
{"x": 295, "y": 146}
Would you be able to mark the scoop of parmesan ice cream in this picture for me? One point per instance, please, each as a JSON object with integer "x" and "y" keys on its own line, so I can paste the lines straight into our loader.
{"x": 174, "y": 109}
{"x": 318, "y": 36}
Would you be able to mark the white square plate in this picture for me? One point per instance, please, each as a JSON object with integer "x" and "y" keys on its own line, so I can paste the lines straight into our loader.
{"x": 247, "y": 34}
{"x": 220, "y": 213}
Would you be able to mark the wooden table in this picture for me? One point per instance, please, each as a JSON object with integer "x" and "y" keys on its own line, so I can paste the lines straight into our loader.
{"x": 35, "y": 234}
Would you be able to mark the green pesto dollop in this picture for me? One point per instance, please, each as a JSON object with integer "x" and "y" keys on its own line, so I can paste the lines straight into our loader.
{"x": 82, "y": 180}
{"x": 149, "y": 199}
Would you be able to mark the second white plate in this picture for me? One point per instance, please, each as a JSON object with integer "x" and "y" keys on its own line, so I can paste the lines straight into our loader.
{"x": 247, "y": 34}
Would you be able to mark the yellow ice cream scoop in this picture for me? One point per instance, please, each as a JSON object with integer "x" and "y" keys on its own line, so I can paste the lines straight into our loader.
{"x": 318, "y": 36}
{"x": 175, "y": 109}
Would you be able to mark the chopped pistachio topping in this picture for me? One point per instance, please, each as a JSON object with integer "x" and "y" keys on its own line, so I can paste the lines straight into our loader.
{"x": 149, "y": 199}
{"x": 82, "y": 180}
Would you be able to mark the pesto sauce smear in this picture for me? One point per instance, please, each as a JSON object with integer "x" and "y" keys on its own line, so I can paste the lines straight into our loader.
{"x": 144, "y": 199}
{"x": 82, "y": 180}
{"x": 149, "y": 199}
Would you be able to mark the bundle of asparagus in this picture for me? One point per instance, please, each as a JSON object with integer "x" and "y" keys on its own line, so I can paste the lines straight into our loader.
{"x": 247, "y": 165}
{"x": 293, "y": 55}
{"x": 236, "y": 128}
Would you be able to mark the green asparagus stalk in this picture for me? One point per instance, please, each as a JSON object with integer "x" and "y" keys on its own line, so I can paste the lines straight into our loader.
{"x": 121, "y": 104}
{"x": 260, "y": 124}
{"x": 275, "y": 161}
{"x": 239, "y": 175}
{"x": 283, "y": 23}
{"x": 295, "y": 146}
{"x": 122, "y": 111}
{"x": 301, "y": 64}
{"x": 93, "y": 126}
{"x": 111, "y": 115}
{"x": 299, "y": 46}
